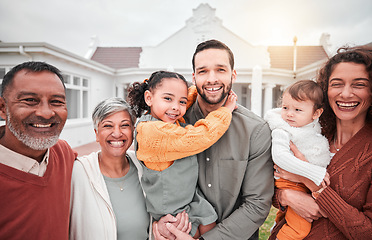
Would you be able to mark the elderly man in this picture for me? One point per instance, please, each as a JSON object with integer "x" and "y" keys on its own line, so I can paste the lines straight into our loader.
{"x": 35, "y": 167}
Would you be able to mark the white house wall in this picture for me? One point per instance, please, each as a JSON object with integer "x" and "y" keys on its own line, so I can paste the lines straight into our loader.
{"x": 101, "y": 86}
{"x": 177, "y": 50}
{"x": 174, "y": 53}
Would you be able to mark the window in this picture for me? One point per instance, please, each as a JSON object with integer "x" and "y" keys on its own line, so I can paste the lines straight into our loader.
{"x": 77, "y": 91}
{"x": 277, "y": 95}
{"x": 3, "y": 71}
{"x": 246, "y": 96}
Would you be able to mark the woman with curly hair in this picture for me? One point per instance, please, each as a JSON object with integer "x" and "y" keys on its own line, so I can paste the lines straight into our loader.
{"x": 343, "y": 209}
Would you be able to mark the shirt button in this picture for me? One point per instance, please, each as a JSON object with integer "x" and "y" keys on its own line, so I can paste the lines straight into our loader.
{"x": 207, "y": 159}
{"x": 209, "y": 185}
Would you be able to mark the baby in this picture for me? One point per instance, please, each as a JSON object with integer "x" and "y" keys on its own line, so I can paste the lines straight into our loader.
{"x": 297, "y": 122}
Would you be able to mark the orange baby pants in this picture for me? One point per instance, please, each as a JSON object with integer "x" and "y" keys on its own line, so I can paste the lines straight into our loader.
{"x": 296, "y": 226}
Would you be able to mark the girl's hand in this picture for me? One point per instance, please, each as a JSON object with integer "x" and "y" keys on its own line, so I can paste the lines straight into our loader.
{"x": 176, "y": 232}
{"x": 231, "y": 101}
{"x": 183, "y": 222}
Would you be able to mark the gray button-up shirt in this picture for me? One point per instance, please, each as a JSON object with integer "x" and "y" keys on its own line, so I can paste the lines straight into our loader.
{"x": 236, "y": 174}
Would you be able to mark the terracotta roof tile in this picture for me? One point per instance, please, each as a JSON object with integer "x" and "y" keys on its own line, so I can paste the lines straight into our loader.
{"x": 282, "y": 56}
{"x": 118, "y": 57}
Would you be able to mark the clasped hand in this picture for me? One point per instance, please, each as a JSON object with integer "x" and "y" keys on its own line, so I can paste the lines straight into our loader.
{"x": 173, "y": 228}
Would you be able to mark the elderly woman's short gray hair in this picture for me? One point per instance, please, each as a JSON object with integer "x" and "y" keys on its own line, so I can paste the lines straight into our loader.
{"x": 110, "y": 106}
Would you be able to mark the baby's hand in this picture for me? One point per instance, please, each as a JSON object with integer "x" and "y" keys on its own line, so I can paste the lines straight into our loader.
{"x": 231, "y": 101}
{"x": 326, "y": 180}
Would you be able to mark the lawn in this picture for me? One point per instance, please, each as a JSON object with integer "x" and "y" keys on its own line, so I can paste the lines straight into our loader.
{"x": 265, "y": 228}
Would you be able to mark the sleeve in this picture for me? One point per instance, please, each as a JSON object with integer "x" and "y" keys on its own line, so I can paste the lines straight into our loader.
{"x": 257, "y": 191}
{"x": 275, "y": 200}
{"x": 353, "y": 223}
{"x": 79, "y": 183}
{"x": 284, "y": 158}
{"x": 159, "y": 141}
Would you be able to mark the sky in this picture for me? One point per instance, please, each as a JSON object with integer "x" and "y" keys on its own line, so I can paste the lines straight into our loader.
{"x": 70, "y": 24}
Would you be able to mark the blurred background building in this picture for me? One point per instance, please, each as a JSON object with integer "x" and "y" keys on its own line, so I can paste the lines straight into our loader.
{"x": 263, "y": 71}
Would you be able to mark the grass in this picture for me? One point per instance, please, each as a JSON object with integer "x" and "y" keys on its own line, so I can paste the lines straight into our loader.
{"x": 265, "y": 228}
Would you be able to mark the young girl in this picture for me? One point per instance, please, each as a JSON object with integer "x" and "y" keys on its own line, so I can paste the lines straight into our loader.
{"x": 297, "y": 121}
{"x": 171, "y": 186}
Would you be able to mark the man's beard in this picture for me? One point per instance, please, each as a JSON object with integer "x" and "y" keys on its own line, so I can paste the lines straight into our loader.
{"x": 41, "y": 143}
{"x": 220, "y": 99}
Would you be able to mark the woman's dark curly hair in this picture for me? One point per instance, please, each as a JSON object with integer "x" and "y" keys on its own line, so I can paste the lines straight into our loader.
{"x": 136, "y": 92}
{"x": 359, "y": 55}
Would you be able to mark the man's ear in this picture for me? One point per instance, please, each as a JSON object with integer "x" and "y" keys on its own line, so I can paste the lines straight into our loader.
{"x": 193, "y": 79}
{"x": 233, "y": 76}
{"x": 148, "y": 98}
{"x": 2, "y": 108}
{"x": 317, "y": 113}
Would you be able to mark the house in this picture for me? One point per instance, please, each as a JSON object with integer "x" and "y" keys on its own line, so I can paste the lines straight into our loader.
{"x": 263, "y": 71}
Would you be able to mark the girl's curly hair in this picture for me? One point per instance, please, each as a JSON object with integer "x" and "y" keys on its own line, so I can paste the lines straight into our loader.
{"x": 136, "y": 92}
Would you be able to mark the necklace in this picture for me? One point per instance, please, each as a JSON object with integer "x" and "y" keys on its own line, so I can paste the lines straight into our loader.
{"x": 334, "y": 144}
{"x": 121, "y": 187}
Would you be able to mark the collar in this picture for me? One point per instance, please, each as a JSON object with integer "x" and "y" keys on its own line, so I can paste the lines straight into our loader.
{"x": 23, "y": 163}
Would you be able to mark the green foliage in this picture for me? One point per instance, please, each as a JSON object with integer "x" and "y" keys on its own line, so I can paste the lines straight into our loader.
{"x": 265, "y": 228}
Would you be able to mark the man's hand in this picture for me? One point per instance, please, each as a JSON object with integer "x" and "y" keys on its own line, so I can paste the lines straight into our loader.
{"x": 302, "y": 203}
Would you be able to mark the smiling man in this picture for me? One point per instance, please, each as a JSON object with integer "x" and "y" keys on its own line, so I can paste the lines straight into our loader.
{"x": 236, "y": 173}
{"x": 35, "y": 167}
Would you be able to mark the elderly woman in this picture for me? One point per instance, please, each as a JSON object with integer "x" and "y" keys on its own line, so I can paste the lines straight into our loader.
{"x": 343, "y": 209}
{"x": 107, "y": 200}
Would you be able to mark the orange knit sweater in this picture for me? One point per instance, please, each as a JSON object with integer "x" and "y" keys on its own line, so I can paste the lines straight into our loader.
{"x": 160, "y": 143}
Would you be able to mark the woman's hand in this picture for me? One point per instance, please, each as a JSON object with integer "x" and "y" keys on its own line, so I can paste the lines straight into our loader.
{"x": 302, "y": 203}
{"x": 281, "y": 173}
{"x": 162, "y": 229}
{"x": 181, "y": 222}
{"x": 179, "y": 235}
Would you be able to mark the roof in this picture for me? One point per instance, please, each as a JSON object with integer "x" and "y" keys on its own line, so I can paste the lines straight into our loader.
{"x": 282, "y": 56}
{"x": 118, "y": 57}
{"x": 32, "y": 48}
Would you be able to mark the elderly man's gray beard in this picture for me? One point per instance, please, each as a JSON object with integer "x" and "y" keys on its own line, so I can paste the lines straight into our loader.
{"x": 31, "y": 142}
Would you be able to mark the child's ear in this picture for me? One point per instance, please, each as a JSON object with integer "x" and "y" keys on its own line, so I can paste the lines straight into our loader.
{"x": 317, "y": 113}
{"x": 148, "y": 98}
